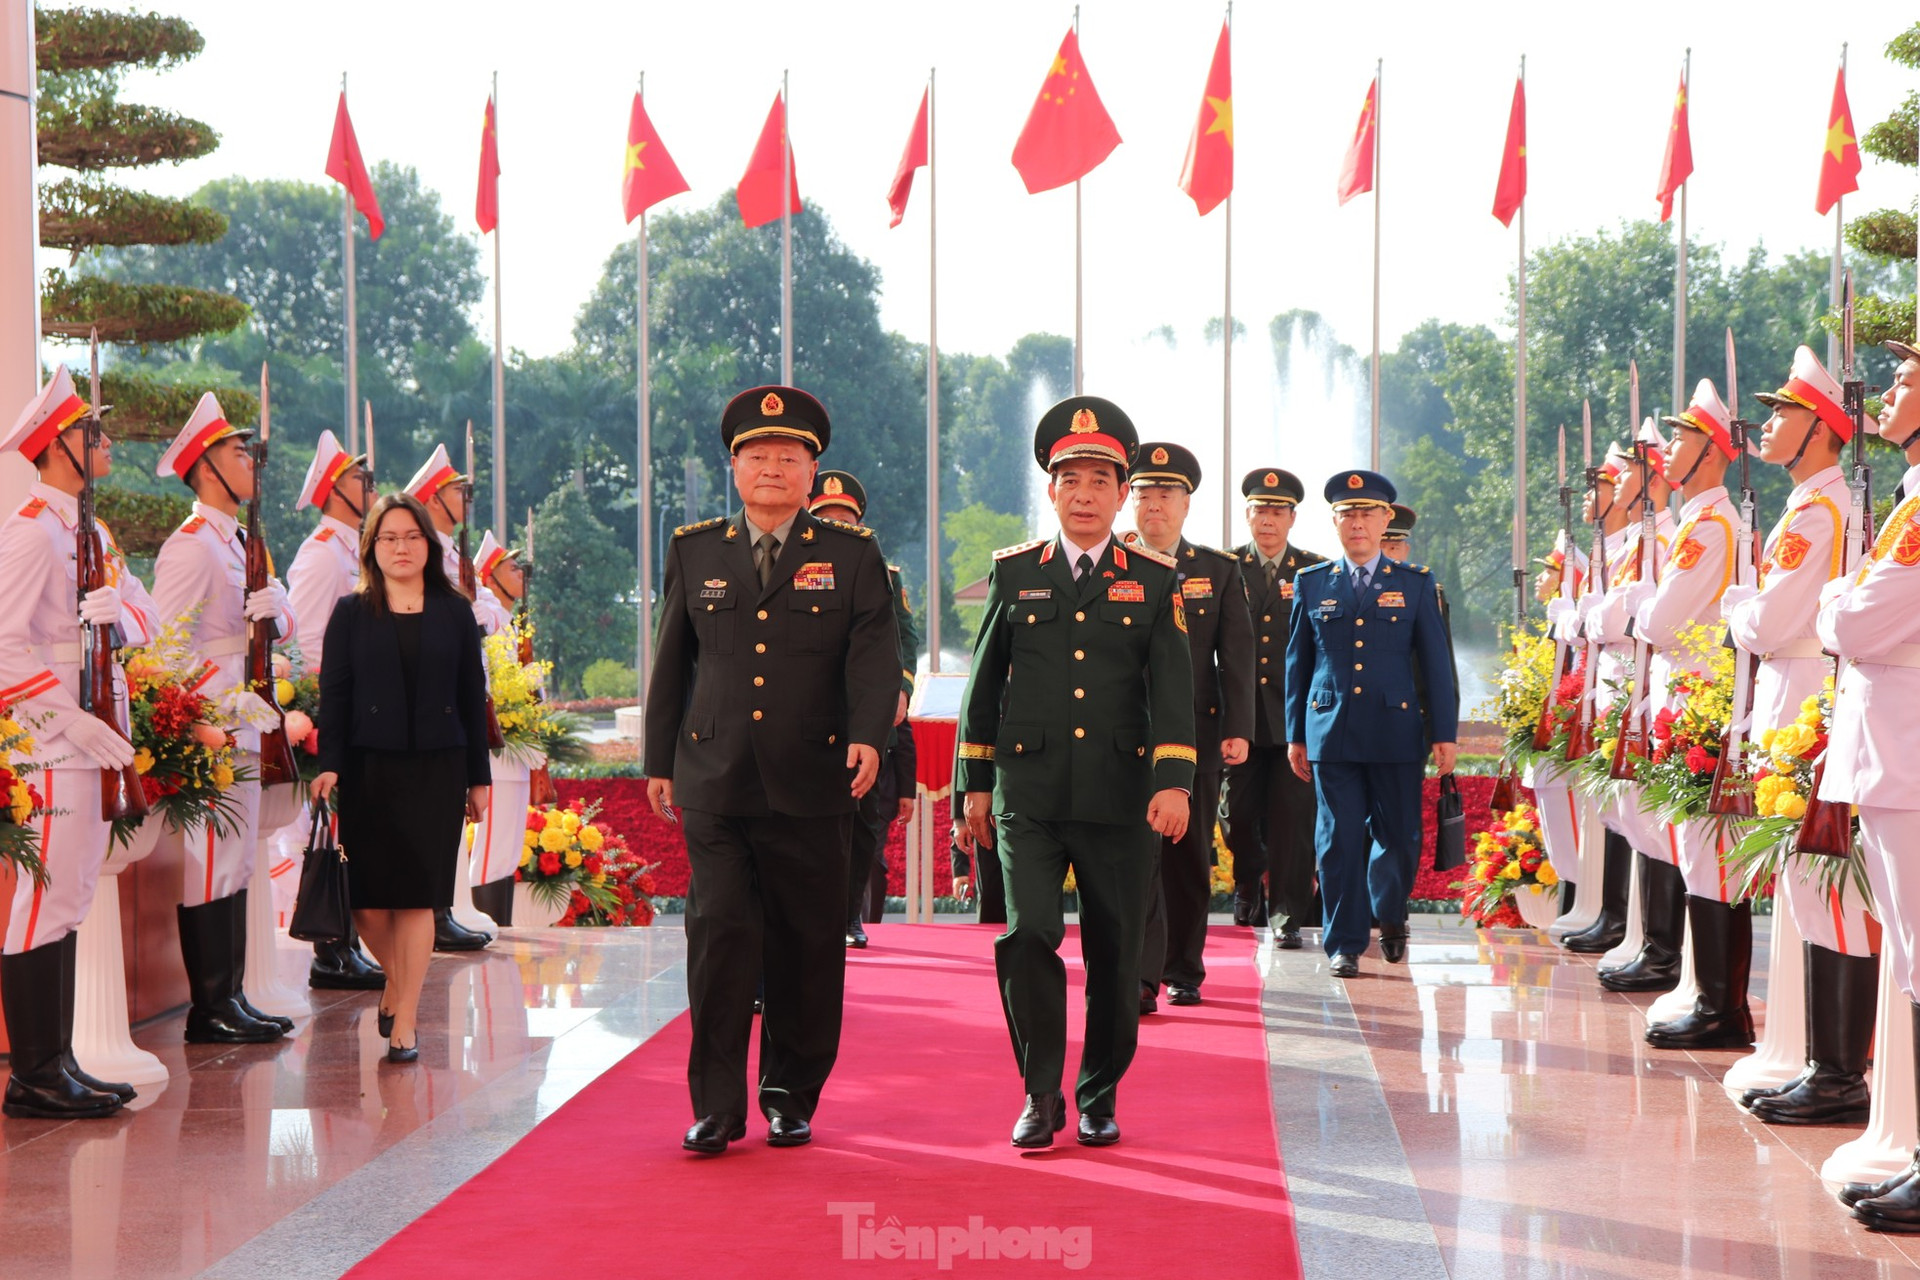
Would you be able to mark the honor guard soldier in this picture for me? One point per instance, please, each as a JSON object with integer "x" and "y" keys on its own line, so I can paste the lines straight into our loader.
{"x": 1269, "y": 810}
{"x": 1871, "y": 619}
{"x": 1362, "y": 627}
{"x": 1163, "y": 480}
{"x": 200, "y": 580}
{"x": 1775, "y": 622}
{"x": 496, "y": 846}
{"x": 839, "y": 496}
{"x": 40, "y": 672}
{"x": 326, "y": 567}
{"x": 1076, "y": 752}
{"x": 499, "y": 571}
{"x": 776, "y": 676}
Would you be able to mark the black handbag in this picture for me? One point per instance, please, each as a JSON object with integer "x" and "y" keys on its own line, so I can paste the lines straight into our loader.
{"x": 1449, "y": 827}
{"x": 321, "y": 912}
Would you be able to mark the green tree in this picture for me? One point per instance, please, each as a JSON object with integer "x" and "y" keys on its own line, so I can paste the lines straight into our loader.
{"x": 1888, "y": 234}
{"x": 583, "y": 589}
{"x": 975, "y": 532}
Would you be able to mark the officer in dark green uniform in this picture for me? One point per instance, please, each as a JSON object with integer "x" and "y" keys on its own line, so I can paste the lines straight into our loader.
{"x": 1088, "y": 766}
{"x": 1270, "y": 812}
{"x": 775, "y": 680}
{"x": 1163, "y": 480}
{"x": 838, "y": 495}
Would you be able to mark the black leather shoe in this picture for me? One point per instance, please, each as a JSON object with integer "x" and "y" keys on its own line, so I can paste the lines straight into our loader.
{"x": 1149, "y": 1000}
{"x": 788, "y": 1131}
{"x": 1182, "y": 993}
{"x": 711, "y": 1134}
{"x": 339, "y": 966}
{"x": 69, "y": 964}
{"x": 1663, "y": 915}
{"x": 399, "y": 1055}
{"x": 1393, "y": 943}
{"x": 1043, "y": 1116}
{"x": 856, "y": 934}
{"x": 1750, "y": 1096}
{"x": 385, "y": 1022}
{"x": 1345, "y": 967}
{"x": 38, "y": 1086}
{"x": 450, "y": 935}
{"x": 1854, "y": 1192}
{"x": 275, "y": 1019}
{"x": 1097, "y": 1131}
{"x": 1610, "y": 926}
{"x": 1722, "y": 962}
{"x": 1289, "y": 939}
{"x": 1842, "y": 992}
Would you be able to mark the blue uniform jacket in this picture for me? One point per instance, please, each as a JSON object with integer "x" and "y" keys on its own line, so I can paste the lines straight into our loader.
{"x": 1351, "y": 665}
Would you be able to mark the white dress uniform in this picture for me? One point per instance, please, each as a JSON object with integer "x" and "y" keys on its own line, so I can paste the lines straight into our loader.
{"x": 40, "y": 680}
{"x": 1873, "y": 622}
{"x": 1801, "y": 555}
{"x": 203, "y": 566}
{"x": 487, "y": 609}
{"x": 1606, "y": 620}
{"x": 326, "y": 567}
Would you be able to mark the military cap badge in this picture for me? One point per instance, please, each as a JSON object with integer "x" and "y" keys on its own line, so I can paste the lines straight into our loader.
{"x": 771, "y": 405}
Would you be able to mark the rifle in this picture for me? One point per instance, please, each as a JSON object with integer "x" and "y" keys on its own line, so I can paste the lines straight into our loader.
{"x": 1635, "y": 723}
{"x": 1580, "y": 740}
{"x": 1727, "y": 796}
{"x": 1827, "y": 829}
{"x": 540, "y": 788}
{"x": 469, "y": 582}
{"x": 1562, "y": 651}
{"x": 277, "y": 764}
{"x": 121, "y": 793}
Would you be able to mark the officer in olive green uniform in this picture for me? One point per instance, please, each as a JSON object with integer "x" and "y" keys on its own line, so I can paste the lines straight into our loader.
{"x": 775, "y": 680}
{"x": 838, "y": 495}
{"x": 1163, "y": 480}
{"x": 1084, "y": 645}
{"x": 1270, "y": 812}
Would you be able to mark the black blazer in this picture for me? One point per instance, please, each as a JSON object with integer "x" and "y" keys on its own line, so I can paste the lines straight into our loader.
{"x": 363, "y": 698}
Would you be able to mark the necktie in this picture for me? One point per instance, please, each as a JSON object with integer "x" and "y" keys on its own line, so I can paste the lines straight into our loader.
{"x": 765, "y": 552}
{"x": 1273, "y": 573}
{"x": 1082, "y": 567}
{"x": 1359, "y": 578}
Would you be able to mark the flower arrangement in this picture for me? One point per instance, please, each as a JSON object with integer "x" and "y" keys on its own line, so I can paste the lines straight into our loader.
{"x": 1593, "y": 772}
{"x": 299, "y": 692}
{"x": 183, "y": 744}
{"x": 20, "y": 801}
{"x": 1779, "y": 768}
{"x": 569, "y": 858}
{"x": 1521, "y": 692}
{"x": 531, "y": 727}
{"x": 1506, "y": 856}
{"x": 1687, "y": 733}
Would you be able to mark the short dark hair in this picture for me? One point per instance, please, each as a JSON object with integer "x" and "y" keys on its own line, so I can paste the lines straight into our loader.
{"x": 373, "y": 584}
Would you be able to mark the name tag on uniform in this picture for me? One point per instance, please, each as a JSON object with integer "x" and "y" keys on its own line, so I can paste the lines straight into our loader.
{"x": 1197, "y": 588}
{"x": 1392, "y": 600}
{"x": 714, "y": 589}
{"x": 816, "y": 575}
{"x": 1037, "y": 593}
{"x": 1127, "y": 592}
{"x": 1327, "y": 609}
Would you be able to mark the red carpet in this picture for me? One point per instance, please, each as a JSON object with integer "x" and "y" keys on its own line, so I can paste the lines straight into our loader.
{"x": 911, "y": 1153}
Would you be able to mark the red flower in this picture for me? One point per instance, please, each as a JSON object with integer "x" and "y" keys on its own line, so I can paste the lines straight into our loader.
{"x": 1701, "y": 760}
{"x": 549, "y": 864}
{"x": 311, "y": 743}
{"x": 1663, "y": 723}
{"x": 592, "y": 864}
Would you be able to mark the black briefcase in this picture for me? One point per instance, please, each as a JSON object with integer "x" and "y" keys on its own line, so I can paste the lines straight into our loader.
{"x": 321, "y": 912}
{"x": 1449, "y": 827}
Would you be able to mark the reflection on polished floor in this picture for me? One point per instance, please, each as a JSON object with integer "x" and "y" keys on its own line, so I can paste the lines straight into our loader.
{"x": 1488, "y": 1110}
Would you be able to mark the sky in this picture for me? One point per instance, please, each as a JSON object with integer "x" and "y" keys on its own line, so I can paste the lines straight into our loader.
{"x": 1600, "y": 87}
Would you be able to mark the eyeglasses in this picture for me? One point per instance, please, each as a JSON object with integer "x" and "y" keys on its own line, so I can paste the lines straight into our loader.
{"x": 392, "y": 541}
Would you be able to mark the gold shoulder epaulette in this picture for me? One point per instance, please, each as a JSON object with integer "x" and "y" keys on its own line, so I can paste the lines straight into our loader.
{"x": 857, "y": 530}
{"x": 1313, "y": 565}
{"x": 703, "y": 524}
{"x": 194, "y": 525}
{"x": 1416, "y": 568}
{"x": 324, "y": 533}
{"x": 1015, "y": 550}
{"x": 1228, "y": 556}
{"x": 34, "y": 508}
{"x": 1158, "y": 557}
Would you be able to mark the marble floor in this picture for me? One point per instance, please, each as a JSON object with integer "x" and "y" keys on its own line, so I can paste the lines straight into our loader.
{"x": 1483, "y": 1111}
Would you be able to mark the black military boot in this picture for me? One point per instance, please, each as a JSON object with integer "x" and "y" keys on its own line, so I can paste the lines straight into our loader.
{"x": 1250, "y": 904}
{"x": 1899, "y": 1210}
{"x": 1722, "y": 963}
{"x": 206, "y": 948}
{"x": 496, "y": 899}
{"x": 450, "y": 935}
{"x": 39, "y": 1087}
{"x": 239, "y": 913}
{"x": 69, "y": 968}
{"x": 1605, "y": 933}
{"x": 1663, "y": 918}
{"x": 1841, "y": 994}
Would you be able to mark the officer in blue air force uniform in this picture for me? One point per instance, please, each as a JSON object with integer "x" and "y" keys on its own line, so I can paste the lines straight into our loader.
{"x": 1363, "y": 626}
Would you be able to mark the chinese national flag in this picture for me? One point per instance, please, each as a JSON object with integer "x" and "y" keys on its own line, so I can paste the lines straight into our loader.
{"x": 759, "y": 190}
{"x": 1840, "y": 161}
{"x": 1207, "y": 175}
{"x": 486, "y": 205}
{"x": 345, "y": 167}
{"x": 650, "y": 175}
{"x": 1068, "y": 132}
{"x": 1356, "y": 171}
{"x": 1678, "y": 165}
{"x": 1512, "y": 191}
{"x": 912, "y": 158}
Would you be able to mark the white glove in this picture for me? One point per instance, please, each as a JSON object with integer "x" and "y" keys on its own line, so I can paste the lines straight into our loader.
{"x": 1635, "y": 595}
{"x": 1835, "y": 588}
{"x": 1563, "y": 620}
{"x": 101, "y": 607}
{"x": 100, "y": 744}
{"x": 1735, "y": 596}
{"x": 268, "y": 602}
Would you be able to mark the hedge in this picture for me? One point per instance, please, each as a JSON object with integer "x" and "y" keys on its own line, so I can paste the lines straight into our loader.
{"x": 86, "y": 39}
{"x": 144, "y": 313}
{"x": 76, "y": 214}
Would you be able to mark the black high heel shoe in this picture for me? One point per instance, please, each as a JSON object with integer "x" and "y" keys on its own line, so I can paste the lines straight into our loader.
{"x": 386, "y": 1025}
{"x": 397, "y": 1054}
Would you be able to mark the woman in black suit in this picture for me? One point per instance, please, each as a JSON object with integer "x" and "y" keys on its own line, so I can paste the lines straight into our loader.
{"x": 403, "y": 705}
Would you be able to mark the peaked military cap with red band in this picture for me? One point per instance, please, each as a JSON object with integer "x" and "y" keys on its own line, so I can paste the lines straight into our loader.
{"x": 1349, "y": 489}
{"x": 1810, "y": 386}
{"x": 435, "y": 474}
{"x": 207, "y": 427}
{"x": 838, "y": 489}
{"x": 1401, "y": 526}
{"x": 1085, "y": 427}
{"x": 330, "y": 463}
{"x": 781, "y": 412}
{"x": 1649, "y": 441}
{"x": 1706, "y": 412}
{"x": 57, "y": 407}
{"x": 1163, "y": 462}
{"x": 1902, "y": 351}
{"x": 489, "y": 556}
{"x": 1272, "y": 487}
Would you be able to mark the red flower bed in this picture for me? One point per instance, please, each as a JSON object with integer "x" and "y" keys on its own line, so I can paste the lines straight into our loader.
{"x": 1476, "y": 793}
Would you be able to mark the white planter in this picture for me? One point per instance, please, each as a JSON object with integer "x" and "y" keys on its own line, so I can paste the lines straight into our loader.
{"x": 530, "y": 912}
{"x": 145, "y": 839}
{"x": 280, "y": 804}
{"x": 101, "y": 1042}
{"x": 1538, "y": 907}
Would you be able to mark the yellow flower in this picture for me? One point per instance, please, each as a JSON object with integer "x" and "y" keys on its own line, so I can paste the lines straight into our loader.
{"x": 1792, "y": 805}
{"x": 600, "y": 878}
{"x": 591, "y": 839}
{"x": 1483, "y": 872}
{"x": 1793, "y": 741}
{"x": 143, "y": 761}
{"x": 1810, "y": 719}
{"x": 1511, "y": 871}
{"x": 222, "y": 775}
{"x": 555, "y": 820}
{"x": 553, "y": 840}
{"x": 570, "y": 822}
{"x": 527, "y": 857}
{"x": 575, "y": 857}
{"x": 283, "y": 690}
{"x": 1766, "y": 738}
{"x": 1546, "y": 874}
{"x": 21, "y": 802}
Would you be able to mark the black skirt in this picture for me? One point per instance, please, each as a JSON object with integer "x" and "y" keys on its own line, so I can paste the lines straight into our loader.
{"x": 401, "y": 815}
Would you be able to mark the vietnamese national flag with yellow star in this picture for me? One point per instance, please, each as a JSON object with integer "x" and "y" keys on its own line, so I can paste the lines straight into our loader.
{"x": 1840, "y": 161}
{"x": 1356, "y": 171}
{"x": 345, "y": 167}
{"x": 1677, "y": 167}
{"x": 759, "y": 191}
{"x": 1511, "y": 192}
{"x": 486, "y": 205}
{"x": 1068, "y": 132}
{"x": 1207, "y": 176}
{"x": 650, "y": 175}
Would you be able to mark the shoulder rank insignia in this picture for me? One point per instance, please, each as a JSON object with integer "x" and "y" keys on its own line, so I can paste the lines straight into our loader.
{"x": 194, "y": 525}
{"x": 1689, "y": 553}
{"x": 1313, "y": 567}
{"x": 703, "y": 524}
{"x": 1004, "y": 552}
{"x": 1416, "y": 568}
{"x": 1791, "y": 550}
{"x": 857, "y": 530}
{"x": 324, "y": 533}
{"x": 1159, "y": 558}
{"x": 34, "y": 508}
{"x": 1906, "y": 549}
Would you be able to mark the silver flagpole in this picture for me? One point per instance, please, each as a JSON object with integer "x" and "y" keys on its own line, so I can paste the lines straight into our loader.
{"x": 933, "y": 395}
{"x": 1079, "y": 368}
{"x": 352, "y": 344}
{"x": 1680, "y": 272}
{"x": 499, "y": 356}
{"x": 786, "y": 235}
{"x": 1226, "y": 362}
{"x": 1839, "y": 224}
{"x": 1520, "y": 415}
{"x": 1379, "y": 68}
{"x": 644, "y": 481}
